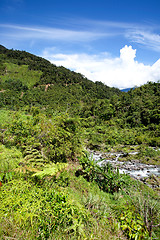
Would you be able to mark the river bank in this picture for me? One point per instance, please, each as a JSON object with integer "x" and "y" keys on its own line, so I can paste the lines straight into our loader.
{"x": 148, "y": 173}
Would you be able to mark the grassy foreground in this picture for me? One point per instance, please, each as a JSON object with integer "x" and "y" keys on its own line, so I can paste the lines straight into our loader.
{"x": 69, "y": 201}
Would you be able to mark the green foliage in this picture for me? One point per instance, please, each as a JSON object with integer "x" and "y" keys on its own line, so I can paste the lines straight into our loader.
{"x": 34, "y": 158}
{"x": 108, "y": 179}
{"x": 52, "y": 88}
{"x": 48, "y": 115}
{"x": 137, "y": 210}
{"x": 9, "y": 159}
{"x": 42, "y": 139}
{"x": 45, "y": 209}
{"x": 148, "y": 151}
{"x": 44, "y": 80}
{"x": 148, "y": 154}
{"x": 149, "y": 210}
{"x": 19, "y": 73}
{"x": 21, "y": 131}
{"x": 140, "y": 106}
{"x": 132, "y": 224}
{"x": 15, "y": 85}
{"x": 62, "y": 138}
{"x": 51, "y": 170}
{"x": 5, "y": 117}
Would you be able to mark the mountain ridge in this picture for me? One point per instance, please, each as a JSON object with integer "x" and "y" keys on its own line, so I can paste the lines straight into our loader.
{"x": 43, "y": 83}
{"x": 40, "y": 64}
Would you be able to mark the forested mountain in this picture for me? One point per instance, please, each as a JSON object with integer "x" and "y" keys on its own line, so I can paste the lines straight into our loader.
{"x": 142, "y": 105}
{"x": 51, "y": 118}
{"x": 28, "y": 79}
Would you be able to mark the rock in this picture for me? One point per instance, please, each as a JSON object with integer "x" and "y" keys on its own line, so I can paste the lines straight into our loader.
{"x": 124, "y": 154}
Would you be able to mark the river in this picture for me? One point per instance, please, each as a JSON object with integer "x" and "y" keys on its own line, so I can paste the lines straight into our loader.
{"x": 134, "y": 168}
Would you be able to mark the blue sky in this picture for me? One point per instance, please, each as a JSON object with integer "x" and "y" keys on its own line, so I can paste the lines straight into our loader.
{"x": 116, "y": 42}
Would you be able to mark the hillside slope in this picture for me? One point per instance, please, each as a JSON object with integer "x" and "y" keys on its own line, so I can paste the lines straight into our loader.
{"x": 29, "y": 79}
{"x": 50, "y": 186}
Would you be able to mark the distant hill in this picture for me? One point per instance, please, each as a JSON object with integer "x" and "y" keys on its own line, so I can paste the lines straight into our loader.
{"x": 125, "y": 89}
{"x": 48, "y": 73}
{"x": 28, "y": 79}
{"x": 141, "y": 105}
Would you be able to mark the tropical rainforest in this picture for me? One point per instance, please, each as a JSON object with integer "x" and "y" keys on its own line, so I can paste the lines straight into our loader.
{"x": 51, "y": 187}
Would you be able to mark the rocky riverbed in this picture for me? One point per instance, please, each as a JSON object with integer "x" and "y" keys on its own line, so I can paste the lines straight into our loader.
{"x": 132, "y": 167}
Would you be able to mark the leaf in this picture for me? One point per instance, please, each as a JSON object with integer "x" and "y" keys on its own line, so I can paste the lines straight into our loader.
{"x": 52, "y": 170}
{"x": 1, "y": 176}
{"x": 124, "y": 227}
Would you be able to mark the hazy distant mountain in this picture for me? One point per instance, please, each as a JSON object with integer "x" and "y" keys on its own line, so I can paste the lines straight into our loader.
{"x": 125, "y": 89}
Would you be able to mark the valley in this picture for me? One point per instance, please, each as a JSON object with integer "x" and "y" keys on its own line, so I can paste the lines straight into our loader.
{"x": 57, "y": 129}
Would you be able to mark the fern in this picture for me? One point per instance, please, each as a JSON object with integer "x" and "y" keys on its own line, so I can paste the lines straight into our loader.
{"x": 51, "y": 170}
{"x": 34, "y": 158}
{"x": 24, "y": 169}
{"x": 9, "y": 160}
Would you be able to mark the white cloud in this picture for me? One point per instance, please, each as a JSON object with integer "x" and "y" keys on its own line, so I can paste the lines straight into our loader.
{"x": 85, "y": 31}
{"x": 121, "y": 72}
{"x": 46, "y": 33}
{"x": 146, "y": 34}
{"x": 146, "y": 38}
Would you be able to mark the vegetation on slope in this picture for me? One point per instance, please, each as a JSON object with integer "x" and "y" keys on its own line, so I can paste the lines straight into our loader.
{"x": 49, "y": 186}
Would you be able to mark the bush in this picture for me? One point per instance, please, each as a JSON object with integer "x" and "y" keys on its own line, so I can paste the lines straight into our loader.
{"x": 9, "y": 159}
{"x": 43, "y": 209}
{"x": 107, "y": 178}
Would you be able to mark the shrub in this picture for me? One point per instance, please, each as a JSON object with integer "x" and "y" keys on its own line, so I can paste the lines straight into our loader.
{"x": 9, "y": 159}
{"x": 107, "y": 178}
{"x": 43, "y": 209}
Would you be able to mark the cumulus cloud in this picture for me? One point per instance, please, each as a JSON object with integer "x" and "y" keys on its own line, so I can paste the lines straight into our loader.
{"x": 122, "y": 72}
